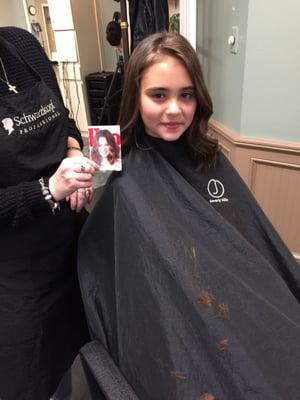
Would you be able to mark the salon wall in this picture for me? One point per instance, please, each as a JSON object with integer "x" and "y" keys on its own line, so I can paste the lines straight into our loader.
{"x": 224, "y": 71}
{"x": 173, "y": 7}
{"x": 105, "y": 10}
{"x": 271, "y": 93}
{"x": 12, "y": 15}
{"x": 256, "y": 96}
{"x": 256, "y": 92}
{"x": 41, "y": 36}
{"x": 271, "y": 169}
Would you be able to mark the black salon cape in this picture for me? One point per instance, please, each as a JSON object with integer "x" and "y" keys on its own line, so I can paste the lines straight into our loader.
{"x": 188, "y": 295}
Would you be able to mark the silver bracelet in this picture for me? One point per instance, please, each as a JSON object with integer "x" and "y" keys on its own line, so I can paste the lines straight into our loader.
{"x": 54, "y": 205}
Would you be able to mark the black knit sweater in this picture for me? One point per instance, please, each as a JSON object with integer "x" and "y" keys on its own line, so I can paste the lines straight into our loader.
{"x": 24, "y": 202}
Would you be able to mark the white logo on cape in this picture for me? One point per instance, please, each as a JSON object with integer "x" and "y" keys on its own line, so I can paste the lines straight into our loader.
{"x": 8, "y": 125}
{"x": 216, "y": 190}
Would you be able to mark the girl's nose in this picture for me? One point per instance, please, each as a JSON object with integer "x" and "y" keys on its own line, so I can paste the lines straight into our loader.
{"x": 173, "y": 107}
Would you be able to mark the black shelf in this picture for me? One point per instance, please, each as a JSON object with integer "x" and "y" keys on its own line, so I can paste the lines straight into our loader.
{"x": 98, "y": 85}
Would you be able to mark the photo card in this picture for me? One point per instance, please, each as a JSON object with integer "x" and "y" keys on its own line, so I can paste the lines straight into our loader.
{"x": 105, "y": 146}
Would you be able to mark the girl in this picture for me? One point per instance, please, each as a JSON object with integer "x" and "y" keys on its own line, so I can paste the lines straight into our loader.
{"x": 185, "y": 281}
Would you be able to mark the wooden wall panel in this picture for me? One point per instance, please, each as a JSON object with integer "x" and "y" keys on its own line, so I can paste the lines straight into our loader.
{"x": 276, "y": 186}
{"x": 272, "y": 172}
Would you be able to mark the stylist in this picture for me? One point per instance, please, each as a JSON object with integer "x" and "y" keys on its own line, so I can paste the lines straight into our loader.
{"x": 45, "y": 181}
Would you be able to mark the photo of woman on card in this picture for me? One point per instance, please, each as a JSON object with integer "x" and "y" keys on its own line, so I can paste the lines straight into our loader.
{"x": 105, "y": 150}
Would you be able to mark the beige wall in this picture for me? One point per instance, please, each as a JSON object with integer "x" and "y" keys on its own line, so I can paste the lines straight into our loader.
{"x": 173, "y": 7}
{"x": 271, "y": 93}
{"x": 261, "y": 82}
{"x": 12, "y": 13}
{"x": 105, "y": 11}
{"x": 41, "y": 36}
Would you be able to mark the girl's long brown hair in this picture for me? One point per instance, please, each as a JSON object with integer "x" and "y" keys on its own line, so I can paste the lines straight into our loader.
{"x": 201, "y": 147}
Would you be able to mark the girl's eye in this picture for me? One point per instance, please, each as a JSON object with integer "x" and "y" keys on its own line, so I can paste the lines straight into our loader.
{"x": 158, "y": 96}
{"x": 187, "y": 95}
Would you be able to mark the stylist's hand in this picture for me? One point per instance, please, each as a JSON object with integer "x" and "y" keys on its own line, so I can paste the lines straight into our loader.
{"x": 79, "y": 198}
{"x": 73, "y": 173}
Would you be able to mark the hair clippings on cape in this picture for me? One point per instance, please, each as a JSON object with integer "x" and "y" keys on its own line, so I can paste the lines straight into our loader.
{"x": 54, "y": 205}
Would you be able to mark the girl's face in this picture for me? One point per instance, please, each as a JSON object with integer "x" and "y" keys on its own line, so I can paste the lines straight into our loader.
{"x": 103, "y": 147}
{"x": 167, "y": 99}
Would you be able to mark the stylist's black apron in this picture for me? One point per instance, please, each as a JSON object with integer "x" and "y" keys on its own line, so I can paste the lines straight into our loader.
{"x": 41, "y": 320}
